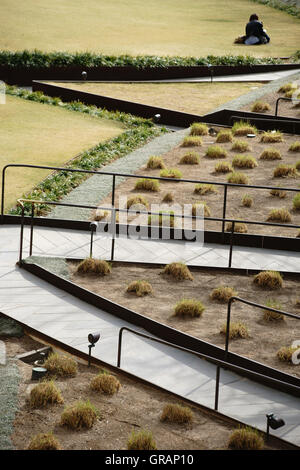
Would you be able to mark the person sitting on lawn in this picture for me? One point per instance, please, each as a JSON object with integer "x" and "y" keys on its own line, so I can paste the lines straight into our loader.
{"x": 255, "y": 32}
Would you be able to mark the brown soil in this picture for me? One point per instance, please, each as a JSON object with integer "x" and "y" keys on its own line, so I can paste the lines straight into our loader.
{"x": 265, "y": 337}
{"x": 136, "y": 406}
{"x": 261, "y": 175}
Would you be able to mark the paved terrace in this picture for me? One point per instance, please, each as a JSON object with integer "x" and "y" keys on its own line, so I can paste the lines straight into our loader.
{"x": 59, "y": 315}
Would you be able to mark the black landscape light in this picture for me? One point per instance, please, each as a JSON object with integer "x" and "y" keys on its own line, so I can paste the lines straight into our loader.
{"x": 273, "y": 422}
{"x": 93, "y": 339}
{"x": 211, "y": 70}
{"x": 156, "y": 118}
{"x": 93, "y": 227}
{"x": 84, "y": 75}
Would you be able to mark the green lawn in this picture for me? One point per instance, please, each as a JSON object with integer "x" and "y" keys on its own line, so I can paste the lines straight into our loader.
{"x": 42, "y": 134}
{"x": 168, "y": 27}
{"x": 194, "y": 98}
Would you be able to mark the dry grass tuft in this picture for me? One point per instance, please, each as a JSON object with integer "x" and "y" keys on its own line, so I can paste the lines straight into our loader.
{"x": 178, "y": 271}
{"x": 237, "y": 178}
{"x": 287, "y": 87}
{"x": 223, "y": 167}
{"x": 269, "y": 280}
{"x": 61, "y": 365}
{"x": 140, "y": 288}
{"x": 197, "y": 209}
{"x": 247, "y": 200}
{"x": 285, "y": 354}
{"x": 246, "y": 439}
{"x": 239, "y": 227}
{"x": 223, "y": 294}
{"x": 203, "y": 188}
{"x": 236, "y": 330}
{"x": 189, "y": 308}
{"x": 271, "y": 137}
{"x": 168, "y": 197}
{"x": 45, "y": 393}
{"x": 190, "y": 158}
{"x": 170, "y": 173}
{"x": 163, "y": 220}
{"x": 94, "y": 266}
{"x": 224, "y": 136}
{"x": 295, "y": 147}
{"x": 105, "y": 383}
{"x": 243, "y": 128}
{"x": 178, "y": 414}
{"x": 279, "y": 215}
{"x": 285, "y": 171}
{"x": 260, "y": 107}
{"x": 297, "y": 165}
{"x": 138, "y": 201}
{"x": 145, "y": 184}
{"x": 278, "y": 193}
{"x": 100, "y": 214}
{"x": 142, "y": 440}
{"x": 240, "y": 146}
{"x": 244, "y": 161}
{"x": 296, "y": 202}
{"x": 192, "y": 141}
{"x": 44, "y": 441}
{"x": 199, "y": 128}
{"x": 273, "y": 316}
{"x": 79, "y": 415}
{"x": 270, "y": 154}
{"x": 155, "y": 162}
{"x": 215, "y": 151}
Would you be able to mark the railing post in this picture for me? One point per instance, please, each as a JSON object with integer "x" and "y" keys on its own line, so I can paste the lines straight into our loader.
{"x": 120, "y": 347}
{"x": 276, "y": 107}
{"x": 224, "y": 209}
{"x": 231, "y": 243}
{"x": 31, "y": 229}
{"x": 3, "y": 192}
{"x": 21, "y": 236}
{"x": 217, "y": 388}
{"x": 113, "y": 218}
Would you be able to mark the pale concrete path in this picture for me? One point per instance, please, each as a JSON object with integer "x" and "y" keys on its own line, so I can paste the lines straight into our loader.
{"x": 65, "y": 318}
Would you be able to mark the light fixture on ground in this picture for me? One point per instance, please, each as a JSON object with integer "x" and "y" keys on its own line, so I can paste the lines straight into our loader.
{"x": 84, "y": 75}
{"x": 273, "y": 422}
{"x": 93, "y": 227}
{"x": 211, "y": 71}
{"x": 93, "y": 339}
{"x": 156, "y": 117}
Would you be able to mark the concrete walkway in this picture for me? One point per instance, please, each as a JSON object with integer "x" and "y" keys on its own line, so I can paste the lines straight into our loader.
{"x": 57, "y": 314}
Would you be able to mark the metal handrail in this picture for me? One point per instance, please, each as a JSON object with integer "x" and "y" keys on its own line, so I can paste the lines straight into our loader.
{"x": 253, "y": 304}
{"x": 283, "y": 98}
{"x": 218, "y": 362}
{"x": 114, "y": 210}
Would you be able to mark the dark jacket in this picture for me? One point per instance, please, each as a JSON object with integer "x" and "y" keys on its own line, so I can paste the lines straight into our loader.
{"x": 255, "y": 28}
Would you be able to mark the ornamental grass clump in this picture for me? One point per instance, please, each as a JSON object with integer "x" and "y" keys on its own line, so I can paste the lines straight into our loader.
{"x": 223, "y": 167}
{"x": 94, "y": 266}
{"x": 223, "y": 293}
{"x": 100, "y": 215}
{"x": 285, "y": 353}
{"x": 270, "y": 154}
{"x": 200, "y": 208}
{"x": 44, "y": 441}
{"x": 271, "y": 137}
{"x": 215, "y": 151}
{"x": 177, "y": 414}
{"x": 224, "y": 136}
{"x": 168, "y": 197}
{"x": 260, "y": 107}
{"x": 199, "y": 128}
{"x": 155, "y": 162}
{"x": 279, "y": 215}
{"x": 203, "y": 188}
{"x": 268, "y": 280}
{"x": 240, "y": 146}
{"x": 163, "y": 220}
{"x": 81, "y": 414}
{"x": 243, "y": 128}
{"x": 239, "y": 227}
{"x": 278, "y": 193}
{"x": 61, "y": 365}
{"x": 295, "y": 147}
{"x": 190, "y": 158}
{"x": 287, "y": 87}
{"x": 170, "y": 173}
{"x": 105, "y": 383}
{"x": 192, "y": 141}
{"x": 273, "y": 316}
{"x": 138, "y": 201}
{"x": 297, "y": 165}
{"x": 237, "y": 178}
{"x": 236, "y": 330}
{"x": 147, "y": 185}
{"x": 246, "y": 438}
{"x": 45, "y": 393}
{"x": 140, "y": 288}
{"x": 247, "y": 200}
{"x": 141, "y": 440}
{"x": 285, "y": 171}
{"x": 178, "y": 271}
{"x": 244, "y": 161}
{"x": 189, "y": 308}
{"x": 296, "y": 202}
